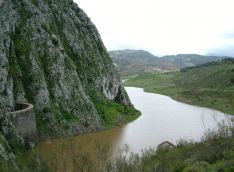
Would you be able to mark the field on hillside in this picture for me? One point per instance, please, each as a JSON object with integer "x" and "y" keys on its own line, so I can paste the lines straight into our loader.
{"x": 210, "y": 85}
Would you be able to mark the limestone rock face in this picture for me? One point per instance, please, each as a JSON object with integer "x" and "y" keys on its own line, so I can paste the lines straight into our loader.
{"x": 7, "y": 157}
{"x": 52, "y": 56}
{"x": 1, "y": 2}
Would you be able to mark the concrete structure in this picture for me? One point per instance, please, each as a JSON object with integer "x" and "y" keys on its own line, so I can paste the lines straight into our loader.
{"x": 24, "y": 120}
{"x": 166, "y": 145}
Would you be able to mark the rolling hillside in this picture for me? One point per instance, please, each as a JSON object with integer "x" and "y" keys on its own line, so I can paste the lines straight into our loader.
{"x": 209, "y": 85}
{"x": 130, "y": 62}
{"x": 186, "y": 60}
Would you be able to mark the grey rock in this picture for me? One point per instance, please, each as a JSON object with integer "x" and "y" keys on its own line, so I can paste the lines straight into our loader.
{"x": 1, "y": 3}
{"x": 6, "y": 156}
{"x": 52, "y": 56}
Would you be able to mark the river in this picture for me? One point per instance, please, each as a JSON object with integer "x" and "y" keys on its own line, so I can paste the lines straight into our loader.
{"x": 162, "y": 119}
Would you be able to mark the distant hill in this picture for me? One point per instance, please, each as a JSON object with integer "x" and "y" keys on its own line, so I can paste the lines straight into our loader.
{"x": 187, "y": 60}
{"x": 209, "y": 85}
{"x": 131, "y": 62}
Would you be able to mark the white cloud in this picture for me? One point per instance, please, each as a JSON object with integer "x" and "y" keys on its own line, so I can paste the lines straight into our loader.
{"x": 163, "y": 26}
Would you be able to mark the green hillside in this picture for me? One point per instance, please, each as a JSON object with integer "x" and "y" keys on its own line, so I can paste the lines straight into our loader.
{"x": 210, "y": 85}
{"x": 130, "y": 62}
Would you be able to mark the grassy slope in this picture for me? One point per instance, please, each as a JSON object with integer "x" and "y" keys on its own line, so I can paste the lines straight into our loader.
{"x": 210, "y": 85}
{"x": 212, "y": 155}
{"x": 114, "y": 114}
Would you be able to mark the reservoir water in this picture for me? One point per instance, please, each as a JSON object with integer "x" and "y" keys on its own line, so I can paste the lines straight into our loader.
{"x": 162, "y": 119}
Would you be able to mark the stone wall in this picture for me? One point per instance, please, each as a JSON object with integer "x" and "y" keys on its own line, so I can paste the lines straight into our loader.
{"x": 24, "y": 120}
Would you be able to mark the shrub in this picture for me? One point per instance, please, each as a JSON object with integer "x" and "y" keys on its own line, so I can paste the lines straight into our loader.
{"x": 55, "y": 41}
{"x": 197, "y": 167}
{"x": 232, "y": 80}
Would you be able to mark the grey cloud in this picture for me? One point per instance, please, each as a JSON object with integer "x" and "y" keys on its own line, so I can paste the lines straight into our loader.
{"x": 222, "y": 51}
{"x": 228, "y": 35}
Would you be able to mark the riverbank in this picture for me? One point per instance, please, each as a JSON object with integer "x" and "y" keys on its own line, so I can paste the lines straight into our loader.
{"x": 156, "y": 124}
{"x": 214, "y": 153}
{"x": 114, "y": 114}
{"x": 209, "y": 85}
{"x": 17, "y": 156}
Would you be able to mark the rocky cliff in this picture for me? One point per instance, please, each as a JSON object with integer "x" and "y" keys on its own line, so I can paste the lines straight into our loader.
{"x": 52, "y": 56}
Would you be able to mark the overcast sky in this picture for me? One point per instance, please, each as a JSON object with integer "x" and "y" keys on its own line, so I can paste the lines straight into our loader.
{"x": 164, "y": 26}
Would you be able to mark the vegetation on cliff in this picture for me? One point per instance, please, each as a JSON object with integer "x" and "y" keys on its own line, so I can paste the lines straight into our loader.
{"x": 52, "y": 56}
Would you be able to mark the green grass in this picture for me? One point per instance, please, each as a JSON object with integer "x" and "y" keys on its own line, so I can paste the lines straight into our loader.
{"x": 31, "y": 161}
{"x": 113, "y": 114}
{"x": 16, "y": 158}
{"x": 209, "y": 85}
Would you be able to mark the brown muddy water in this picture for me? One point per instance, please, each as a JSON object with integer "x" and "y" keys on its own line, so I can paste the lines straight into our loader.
{"x": 162, "y": 119}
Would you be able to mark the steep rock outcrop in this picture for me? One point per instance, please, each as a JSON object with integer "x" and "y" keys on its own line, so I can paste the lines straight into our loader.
{"x": 7, "y": 158}
{"x": 52, "y": 56}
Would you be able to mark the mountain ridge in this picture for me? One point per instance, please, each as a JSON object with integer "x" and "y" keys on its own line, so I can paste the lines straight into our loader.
{"x": 130, "y": 62}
